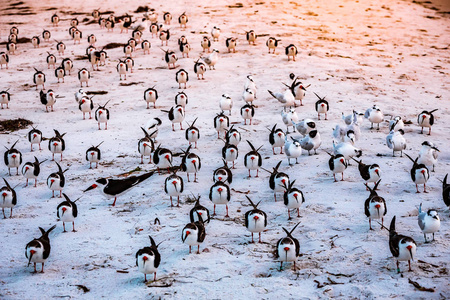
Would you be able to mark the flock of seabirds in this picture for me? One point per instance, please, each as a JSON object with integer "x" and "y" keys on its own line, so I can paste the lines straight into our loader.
{"x": 148, "y": 259}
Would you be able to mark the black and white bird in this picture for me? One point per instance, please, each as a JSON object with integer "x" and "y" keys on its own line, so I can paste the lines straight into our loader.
{"x": 428, "y": 155}
{"x": 198, "y": 210}
{"x": 55, "y": 20}
{"x": 221, "y": 123}
{"x": 46, "y": 35}
{"x": 67, "y": 65}
{"x": 11, "y": 47}
{"x": 94, "y": 155}
{"x": 194, "y": 234}
{"x": 206, "y": 44}
{"x": 51, "y": 60}
{"x": 150, "y": 96}
{"x": 429, "y": 222}
{"x": 102, "y": 115}
{"x": 162, "y": 158}
{"x": 305, "y": 126}
{"x": 8, "y": 198}
{"x": 311, "y": 141}
{"x": 67, "y": 211}
{"x": 164, "y": 36}
{"x": 130, "y": 64}
{"x": 292, "y": 148}
{"x": 171, "y": 58}
{"x": 293, "y": 198}
{"x": 129, "y": 48}
{"x": 298, "y": 89}
{"x": 91, "y": 39}
{"x": 219, "y": 194}
{"x": 176, "y": 115}
{"x": 146, "y": 45}
{"x": 291, "y": 52}
{"x": 56, "y": 181}
{"x": 146, "y": 146}
{"x": 402, "y": 247}
{"x": 419, "y": 174}
{"x": 4, "y": 60}
{"x": 56, "y": 144}
{"x": 5, "y": 98}
{"x": 60, "y": 47}
{"x": 31, "y": 170}
{"x": 122, "y": 69}
{"x": 113, "y": 188}
{"x": 247, "y": 113}
{"x": 185, "y": 48}
{"x": 374, "y": 115}
{"x": 251, "y": 37}
{"x": 181, "y": 99}
{"x": 154, "y": 29}
{"x": 38, "y": 250}
{"x": 83, "y": 76}
{"x": 255, "y": 219}
{"x": 446, "y": 191}
{"x": 223, "y": 174}
{"x": 39, "y": 78}
{"x": 231, "y": 44}
{"x": 322, "y": 106}
{"x": 272, "y": 44}
{"x": 48, "y": 99}
{"x": 370, "y": 173}
{"x": 277, "y": 138}
{"x": 278, "y": 181}
{"x": 174, "y": 187}
{"x": 148, "y": 259}
{"x": 182, "y": 77}
{"x": 200, "y": 69}
{"x": 152, "y": 126}
{"x": 253, "y": 160}
{"x": 192, "y": 134}
{"x": 12, "y": 158}
{"x": 344, "y": 134}
{"x": 396, "y": 141}
{"x": 60, "y": 73}
{"x": 86, "y": 105}
{"x": 375, "y": 206}
{"x": 337, "y": 164}
{"x": 230, "y": 153}
{"x": 233, "y": 136}
{"x": 167, "y": 17}
{"x": 190, "y": 163}
{"x": 36, "y": 41}
{"x": 182, "y": 20}
{"x": 288, "y": 248}
{"x": 426, "y": 119}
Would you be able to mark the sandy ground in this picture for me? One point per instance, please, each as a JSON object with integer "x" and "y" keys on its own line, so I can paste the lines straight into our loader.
{"x": 356, "y": 53}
